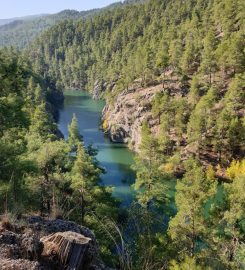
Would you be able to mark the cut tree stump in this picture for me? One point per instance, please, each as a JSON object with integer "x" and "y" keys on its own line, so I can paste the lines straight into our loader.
{"x": 69, "y": 248}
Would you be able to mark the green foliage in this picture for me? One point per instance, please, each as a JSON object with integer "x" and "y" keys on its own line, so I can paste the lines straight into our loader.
{"x": 74, "y": 137}
{"x": 192, "y": 192}
{"x": 187, "y": 264}
{"x": 42, "y": 122}
{"x": 11, "y": 34}
{"x": 84, "y": 179}
{"x": 227, "y": 221}
{"x": 149, "y": 183}
{"x": 201, "y": 120}
{"x": 201, "y": 114}
{"x": 141, "y": 41}
{"x": 14, "y": 120}
{"x": 38, "y": 170}
{"x": 160, "y": 41}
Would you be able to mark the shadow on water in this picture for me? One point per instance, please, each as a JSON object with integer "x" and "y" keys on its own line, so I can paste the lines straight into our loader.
{"x": 116, "y": 159}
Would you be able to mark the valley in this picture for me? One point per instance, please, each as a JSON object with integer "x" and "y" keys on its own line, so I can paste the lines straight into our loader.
{"x": 123, "y": 129}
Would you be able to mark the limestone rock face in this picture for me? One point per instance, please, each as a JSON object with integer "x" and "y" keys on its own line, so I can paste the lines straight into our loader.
{"x": 123, "y": 119}
{"x": 43, "y": 244}
{"x": 99, "y": 88}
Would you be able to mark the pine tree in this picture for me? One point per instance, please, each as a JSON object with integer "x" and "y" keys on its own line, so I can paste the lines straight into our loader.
{"x": 74, "y": 136}
{"x": 194, "y": 93}
{"x": 175, "y": 51}
{"x": 42, "y": 123}
{"x": 192, "y": 192}
{"x": 229, "y": 133}
{"x": 149, "y": 183}
{"x": 227, "y": 221}
{"x": 52, "y": 160}
{"x": 188, "y": 57}
{"x": 201, "y": 120}
{"x": 208, "y": 64}
{"x": 84, "y": 179}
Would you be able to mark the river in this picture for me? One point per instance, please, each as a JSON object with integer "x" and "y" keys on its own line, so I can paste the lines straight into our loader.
{"x": 117, "y": 159}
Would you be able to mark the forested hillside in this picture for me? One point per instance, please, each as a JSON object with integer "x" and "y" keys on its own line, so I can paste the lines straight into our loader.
{"x": 39, "y": 172}
{"x": 191, "y": 128}
{"x": 20, "y": 32}
{"x": 142, "y": 40}
{"x": 172, "y": 74}
{"x": 195, "y": 49}
{"x": 7, "y": 21}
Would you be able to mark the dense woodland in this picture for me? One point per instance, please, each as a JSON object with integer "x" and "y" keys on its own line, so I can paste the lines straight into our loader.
{"x": 197, "y": 44}
{"x": 39, "y": 172}
{"x": 200, "y": 44}
{"x": 20, "y": 32}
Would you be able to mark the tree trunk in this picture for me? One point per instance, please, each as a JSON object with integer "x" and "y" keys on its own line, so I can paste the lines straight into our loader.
{"x": 69, "y": 248}
{"x": 193, "y": 235}
{"x": 82, "y": 207}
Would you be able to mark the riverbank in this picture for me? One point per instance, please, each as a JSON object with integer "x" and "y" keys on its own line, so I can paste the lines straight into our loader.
{"x": 116, "y": 159}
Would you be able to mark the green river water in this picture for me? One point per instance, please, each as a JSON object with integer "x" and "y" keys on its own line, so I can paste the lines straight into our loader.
{"x": 117, "y": 159}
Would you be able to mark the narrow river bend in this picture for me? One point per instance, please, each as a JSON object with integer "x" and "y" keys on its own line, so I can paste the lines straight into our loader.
{"x": 115, "y": 158}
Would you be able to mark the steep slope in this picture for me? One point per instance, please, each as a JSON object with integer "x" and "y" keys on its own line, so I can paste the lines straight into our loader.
{"x": 38, "y": 173}
{"x": 172, "y": 73}
{"x": 193, "y": 51}
{"x": 20, "y": 32}
{"x": 25, "y": 18}
{"x": 123, "y": 119}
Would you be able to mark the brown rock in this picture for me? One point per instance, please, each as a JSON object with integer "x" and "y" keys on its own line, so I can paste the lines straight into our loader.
{"x": 64, "y": 242}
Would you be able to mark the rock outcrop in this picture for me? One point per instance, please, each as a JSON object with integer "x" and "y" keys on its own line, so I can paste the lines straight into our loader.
{"x": 123, "y": 119}
{"x": 43, "y": 244}
{"x": 100, "y": 86}
{"x": 19, "y": 251}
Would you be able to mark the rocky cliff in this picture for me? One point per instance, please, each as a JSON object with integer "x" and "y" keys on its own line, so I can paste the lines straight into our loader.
{"x": 122, "y": 119}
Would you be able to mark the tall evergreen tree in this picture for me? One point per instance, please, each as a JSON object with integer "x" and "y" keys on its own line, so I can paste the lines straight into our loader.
{"x": 74, "y": 136}
{"x": 192, "y": 192}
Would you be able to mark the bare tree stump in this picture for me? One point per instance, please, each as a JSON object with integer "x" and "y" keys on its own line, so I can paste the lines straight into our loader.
{"x": 68, "y": 247}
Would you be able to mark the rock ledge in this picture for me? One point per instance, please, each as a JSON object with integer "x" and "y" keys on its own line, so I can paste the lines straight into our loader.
{"x": 43, "y": 244}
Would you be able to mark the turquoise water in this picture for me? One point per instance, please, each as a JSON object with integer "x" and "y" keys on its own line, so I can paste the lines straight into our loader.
{"x": 115, "y": 158}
